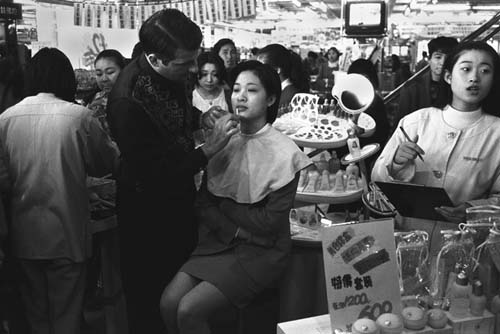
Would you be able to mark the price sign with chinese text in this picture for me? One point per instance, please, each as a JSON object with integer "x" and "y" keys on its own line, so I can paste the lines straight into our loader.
{"x": 361, "y": 271}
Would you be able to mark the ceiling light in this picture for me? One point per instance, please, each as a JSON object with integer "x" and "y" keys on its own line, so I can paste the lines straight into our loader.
{"x": 451, "y": 7}
{"x": 493, "y": 7}
{"x": 399, "y": 8}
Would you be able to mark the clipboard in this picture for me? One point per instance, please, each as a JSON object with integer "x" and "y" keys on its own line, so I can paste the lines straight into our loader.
{"x": 414, "y": 200}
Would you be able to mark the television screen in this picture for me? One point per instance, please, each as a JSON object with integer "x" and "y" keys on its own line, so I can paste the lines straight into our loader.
{"x": 365, "y": 14}
{"x": 365, "y": 18}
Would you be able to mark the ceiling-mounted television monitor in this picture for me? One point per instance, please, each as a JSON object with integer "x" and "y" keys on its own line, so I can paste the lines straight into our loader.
{"x": 365, "y": 18}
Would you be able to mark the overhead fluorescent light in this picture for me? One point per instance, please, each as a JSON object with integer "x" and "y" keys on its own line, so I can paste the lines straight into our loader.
{"x": 492, "y": 7}
{"x": 399, "y": 8}
{"x": 449, "y": 7}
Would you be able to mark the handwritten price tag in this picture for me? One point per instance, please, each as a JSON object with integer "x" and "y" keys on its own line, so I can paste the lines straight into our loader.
{"x": 361, "y": 299}
{"x": 373, "y": 311}
{"x": 360, "y": 271}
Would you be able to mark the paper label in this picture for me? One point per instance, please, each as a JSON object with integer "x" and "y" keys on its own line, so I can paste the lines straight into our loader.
{"x": 360, "y": 271}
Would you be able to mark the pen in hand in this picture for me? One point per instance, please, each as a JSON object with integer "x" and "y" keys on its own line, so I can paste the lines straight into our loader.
{"x": 408, "y": 138}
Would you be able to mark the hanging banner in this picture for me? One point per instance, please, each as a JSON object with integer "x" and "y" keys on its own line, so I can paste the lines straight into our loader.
{"x": 131, "y": 16}
{"x": 112, "y": 11}
{"x": 10, "y": 11}
{"x": 360, "y": 271}
{"x": 77, "y": 14}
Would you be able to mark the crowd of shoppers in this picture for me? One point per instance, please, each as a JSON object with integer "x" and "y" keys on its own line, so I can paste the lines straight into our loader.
{"x": 187, "y": 254}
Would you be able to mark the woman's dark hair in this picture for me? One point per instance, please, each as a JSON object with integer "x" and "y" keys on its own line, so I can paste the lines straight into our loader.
{"x": 366, "y": 68}
{"x": 334, "y": 49}
{"x": 492, "y": 101}
{"x": 50, "y": 71}
{"x": 112, "y": 54}
{"x": 269, "y": 79}
{"x": 289, "y": 63}
{"x": 220, "y": 43}
{"x": 396, "y": 62}
{"x": 212, "y": 58}
{"x": 168, "y": 30}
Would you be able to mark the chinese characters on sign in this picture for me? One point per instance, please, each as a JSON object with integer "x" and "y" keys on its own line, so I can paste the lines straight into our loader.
{"x": 361, "y": 273}
{"x": 339, "y": 282}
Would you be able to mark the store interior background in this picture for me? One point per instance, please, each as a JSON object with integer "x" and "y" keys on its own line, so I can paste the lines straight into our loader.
{"x": 303, "y": 25}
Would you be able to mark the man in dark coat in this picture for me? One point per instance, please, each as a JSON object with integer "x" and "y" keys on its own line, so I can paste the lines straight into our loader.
{"x": 152, "y": 121}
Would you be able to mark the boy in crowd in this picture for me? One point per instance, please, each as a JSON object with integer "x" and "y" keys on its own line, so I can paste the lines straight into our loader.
{"x": 424, "y": 91}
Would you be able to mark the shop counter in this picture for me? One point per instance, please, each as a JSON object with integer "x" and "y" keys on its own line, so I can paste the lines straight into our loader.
{"x": 303, "y": 288}
{"x": 313, "y": 325}
{"x": 321, "y": 325}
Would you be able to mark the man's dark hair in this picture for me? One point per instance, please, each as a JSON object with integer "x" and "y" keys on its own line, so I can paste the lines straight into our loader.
{"x": 168, "y": 30}
{"x": 137, "y": 50}
{"x": 220, "y": 43}
{"x": 50, "y": 71}
{"x": 312, "y": 54}
{"x": 277, "y": 56}
{"x": 441, "y": 44}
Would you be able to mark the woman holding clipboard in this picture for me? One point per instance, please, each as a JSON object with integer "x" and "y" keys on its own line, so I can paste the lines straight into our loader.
{"x": 454, "y": 147}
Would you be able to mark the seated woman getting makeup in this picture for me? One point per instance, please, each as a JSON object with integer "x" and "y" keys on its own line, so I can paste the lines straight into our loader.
{"x": 458, "y": 143}
{"x": 242, "y": 210}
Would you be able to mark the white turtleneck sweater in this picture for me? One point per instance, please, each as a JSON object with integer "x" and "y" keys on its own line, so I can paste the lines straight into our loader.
{"x": 461, "y": 154}
{"x": 461, "y": 119}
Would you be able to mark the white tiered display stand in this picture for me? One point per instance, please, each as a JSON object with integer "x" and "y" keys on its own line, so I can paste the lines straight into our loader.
{"x": 309, "y": 128}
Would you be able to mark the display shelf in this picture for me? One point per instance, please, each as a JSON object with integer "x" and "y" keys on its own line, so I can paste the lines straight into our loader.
{"x": 366, "y": 152}
{"x": 484, "y": 324}
{"x": 321, "y": 131}
{"x": 329, "y": 197}
{"x": 309, "y": 128}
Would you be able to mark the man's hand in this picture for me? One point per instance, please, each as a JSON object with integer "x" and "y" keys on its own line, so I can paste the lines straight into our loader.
{"x": 211, "y": 116}
{"x": 225, "y": 127}
{"x": 455, "y": 214}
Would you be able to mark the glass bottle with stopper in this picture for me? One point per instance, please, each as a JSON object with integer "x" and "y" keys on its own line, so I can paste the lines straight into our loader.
{"x": 353, "y": 143}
